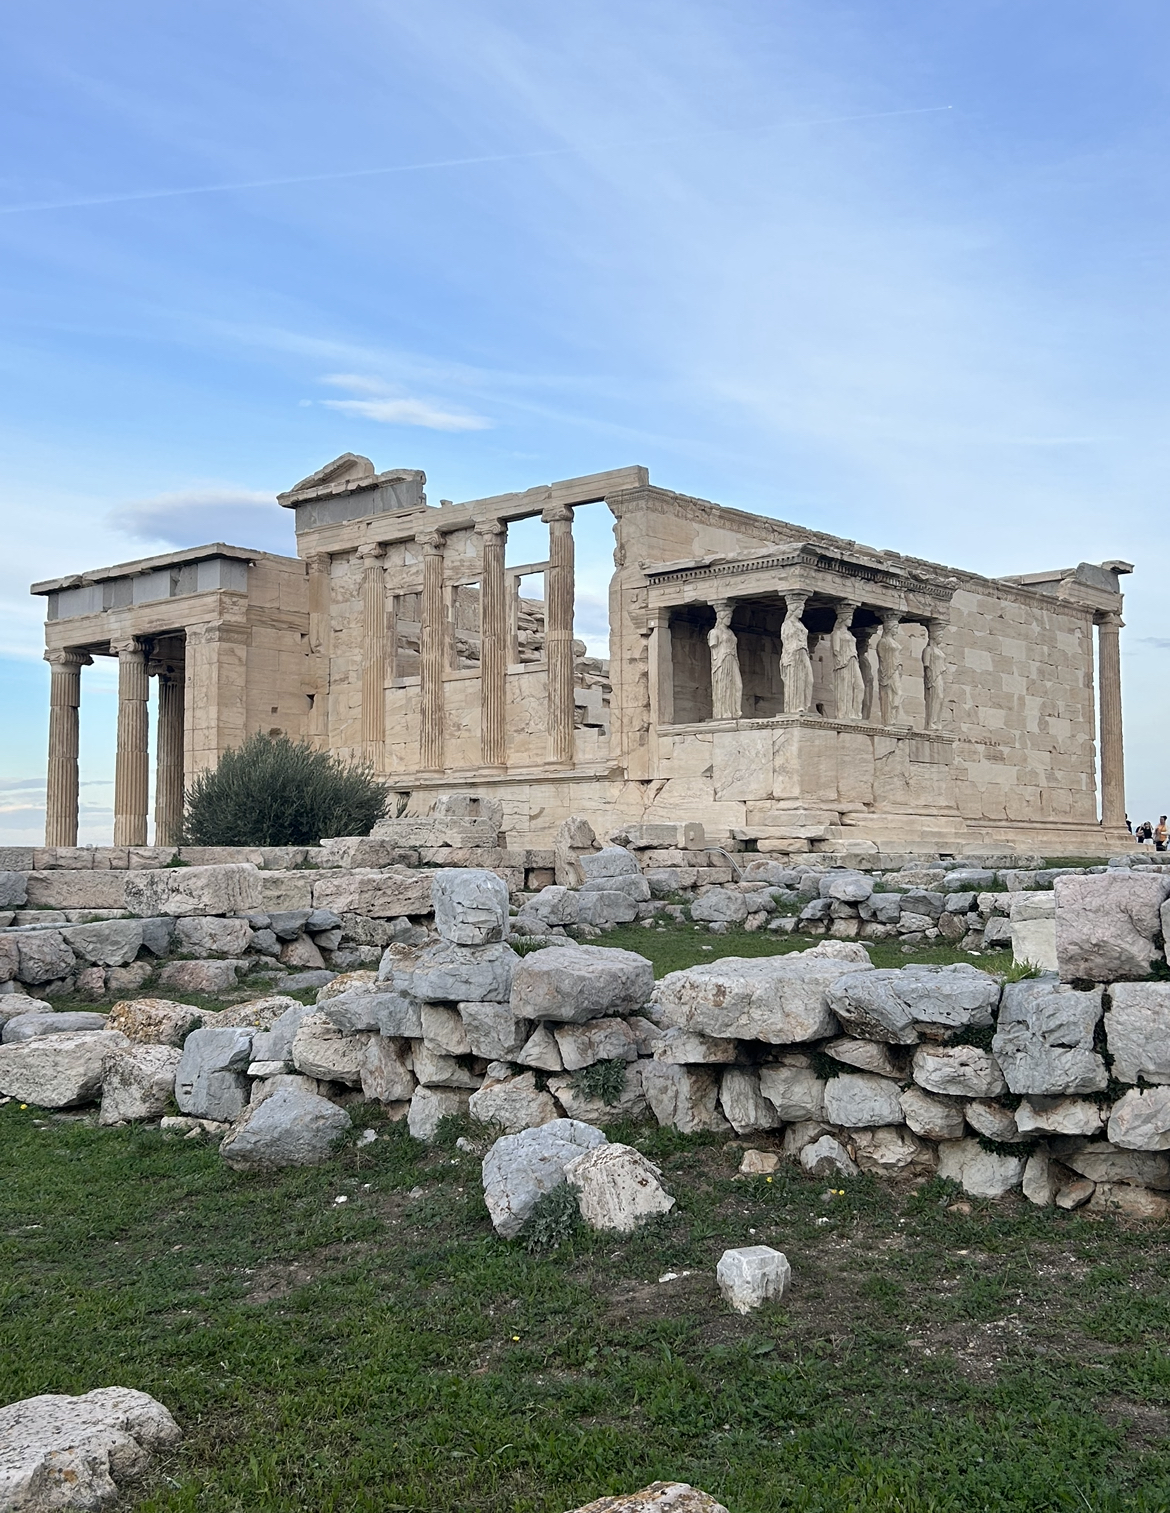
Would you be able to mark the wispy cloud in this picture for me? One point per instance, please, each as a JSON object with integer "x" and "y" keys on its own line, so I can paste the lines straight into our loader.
{"x": 1161, "y": 642}
{"x": 192, "y": 517}
{"x": 383, "y": 406}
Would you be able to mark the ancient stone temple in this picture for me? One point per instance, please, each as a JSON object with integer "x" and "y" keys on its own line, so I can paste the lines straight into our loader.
{"x": 777, "y": 684}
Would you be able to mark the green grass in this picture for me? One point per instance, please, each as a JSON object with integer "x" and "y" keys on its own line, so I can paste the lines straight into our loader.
{"x": 392, "y": 1353}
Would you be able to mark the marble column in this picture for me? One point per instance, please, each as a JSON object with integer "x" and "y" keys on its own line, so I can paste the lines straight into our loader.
{"x": 493, "y": 643}
{"x": 796, "y": 670}
{"x": 432, "y": 641}
{"x": 168, "y": 760}
{"x": 558, "y": 633}
{"x": 132, "y": 762}
{"x": 848, "y": 686}
{"x": 1109, "y": 703}
{"x": 64, "y": 730}
{"x": 373, "y": 655}
{"x": 934, "y": 674}
{"x": 889, "y": 660}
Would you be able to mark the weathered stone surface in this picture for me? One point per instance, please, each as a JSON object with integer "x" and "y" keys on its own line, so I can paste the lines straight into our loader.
{"x": 658, "y": 1497}
{"x": 1070, "y": 1195}
{"x": 1033, "y": 937}
{"x": 137, "y": 1082}
{"x": 1106, "y": 925}
{"x": 443, "y": 1031}
{"x": 321, "y": 1050}
{"x": 211, "y": 936}
{"x": 180, "y": 891}
{"x": 429, "y": 1106}
{"x": 1140, "y": 1121}
{"x": 1044, "y": 1038}
{"x": 471, "y": 905}
{"x": 632, "y": 886}
{"x": 155, "y": 1021}
{"x": 257, "y": 1013}
{"x": 1039, "y": 1183}
{"x": 1118, "y": 1198}
{"x": 573, "y": 984}
{"x": 826, "y": 1155}
{"x": 895, "y": 1004}
{"x": 866, "y": 1056}
{"x": 981, "y": 1173}
{"x": 288, "y": 1128}
{"x": 109, "y": 943}
{"x": 210, "y": 1081}
{"x": 577, "y": 1104}
{"x": 581, "y": 1045}
{"x": 302, "y": 953}
{"x": 514, "y": 1103}
{"x": 493, "y": 1031}
{"x": 753, "y": 1275}
{"x": 881, "y": 908}
{"x": 745, "y": 1106}
{"x": 455, "y": 974}
{"x": 846, "y": 887}
{"x": 993, "y": 1121}
{"x": 759, "y": 1163}
{"x": 199, "y": 976}
{"x": 683, "y": 1097}
{"x": 77, "y": 890}
{"x": 13, "y": 890}
{"x": 1137, "y": 1031}
{"x": 13, "y": 1005}
{"x": 57, "y": 1071}
{"x": 796, "y": 1093}
{"x": 1060, "y": 1116}
{"x": 617, "y": 1187}
{"x": 43, "y": 956}
{"x": 778, "y": 999}
{"x": 76, "y": 1452}
{"x": 605, "y": 907}
{"x": 858, "y": 1099}
{"x": 541, "y": 1051}
{"x": 963, "y": 1071}
{"x": 891, "y": 1148}
{"x": 45, "y": 1022}
{"x": 520, "y": 1167}
{"x": 1102, "y": 1161}
{"x": 381, "y": 1008}
{"x": 384, "y": 1073}
{"x": 610, "y": 861}
{"x": 385, "y": 893}
{"x": 441, "y": 1071}
{"x": 276, "y": 1044}
{"x": 686, "y": 1047}
{"x": 723, "y": 905}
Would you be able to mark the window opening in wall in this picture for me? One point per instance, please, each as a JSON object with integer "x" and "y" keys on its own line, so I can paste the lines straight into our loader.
{"x": 407, "y": 638}
{"x": 527, "y": 542}
{"x": 466, "y": 639}
{"x": 691, "y": 662}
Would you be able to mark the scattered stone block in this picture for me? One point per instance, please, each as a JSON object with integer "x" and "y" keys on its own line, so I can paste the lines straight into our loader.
{"x": 209, "y": 936}
{"x": 982, "y": 1173}
{"x": 384, "y": 1073}
{"x": 109, "y": 943}
{"x": 57, "y": 1071}
{"x": 759, "y": 1163}
{"x": 290, "y": 1127}
{"x": 683, "y": 1097}
{"x": 796, "y": 1092}
{"x": 581, "y": 1045}
{"x": 896, "y": 1005}
{"x": 617, "y": 1188}
{"x": 825, "y": 1155}
{"x": 138, "y": 1082}
{"x": 211, "y": 1081}
{"x": 43, "y": 956}
{"x": 1137, "y": 1031}
{"x": 199, "y": 976}
{"x": 719, "y": 906}
{"x": 429, "y": 1106}
{"x": 1060, "y": 1116}
{"x": 155, "y": 1021}
{"x": 471, "y": 905}
{"x": 182, "y": 891}
{"x": 44, "y": 1021}
{"x": 858, "y": 1099}
{"x": 573, "y": 984}
{"x": 962, "y": 1071}
{"x": 658, "y": 1497}
{"x": 519, "y": 1168}
{"x": 1140, "y": 1121}
{"x": 1106, "y": 925}
{"x": 753, "y": 1275}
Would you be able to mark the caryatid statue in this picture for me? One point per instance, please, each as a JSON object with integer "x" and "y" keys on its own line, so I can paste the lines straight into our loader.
{"x": 795, "y": 662}
{"x": 848, "y": 685}
{"x": 869, "y": 700}
{"x": 889, "y": 660}
{"x": 934, "y": 668}
{"x": 726, "y": 679}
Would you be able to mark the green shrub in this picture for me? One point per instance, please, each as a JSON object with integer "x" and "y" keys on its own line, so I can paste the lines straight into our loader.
{"x": 272, "y": 791}
{"x": 1020, "y": 971}
{"x": 553, "y": 1221}
{"x": 605, "y": 1080}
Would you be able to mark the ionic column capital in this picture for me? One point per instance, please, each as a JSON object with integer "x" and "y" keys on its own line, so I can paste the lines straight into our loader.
{"x": 371, "y": 550}
{"x": 128, "y": 646}
{"x": 431, "y": 542}
{"x": 557, "y": 514}
{"x": 68, "y": 657}
{"x": 1111, "y": 620}
{"x": 490, "y": 529}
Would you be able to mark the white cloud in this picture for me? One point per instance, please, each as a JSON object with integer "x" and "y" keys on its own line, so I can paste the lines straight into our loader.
{"x": 384, "y": 407}
{"x": 192, "y": 517}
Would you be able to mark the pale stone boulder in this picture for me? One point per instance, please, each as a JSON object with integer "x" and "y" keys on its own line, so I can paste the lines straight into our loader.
{"x": 513, "y": 1103}
{"x": 746, "y": 1107}
{"x": 519, "y": 1168}
{"x": 43, "y": 956}
{"x": 76, "y": 1452}
{"x": 138, "y": 1082}
{"x": 609, "y": 862}
{"x": 276, "y": 1044}
{"x": 891, "y": 1148}
{"x": 859, "y": 1099}
{"x": 264, "y": 1086}
{"x": 1102, "y": 1161}
{"x": 383, "y": 1071}
{"x": 107, "y": 943}
{"x": 494, "y": 1032}
{"x": 633, "y": 887}
{"x": 581, "y": 1045}
{"x": 658, "y": 1497}
{"x": 1060, "y": 1116}
{"x": 471, "y": 905}
{"x": 1106, "y": 925}
{"x": 846, "y": 887}
{"x": 302, "y": 954}
{"x": 759, "y": 1163}
{"x": 443, "y": 1032}
{"x": 778, "y": 999}
{"x": 541, "y": 1051}
{"x": 826, "y": 1155}
{"x": 981, "y": 1173}
{"x": 375, "y": 1007}
{"x": 210, "y": 1082}
{"x": 155, "y": 1021}
{"x": 752, "y": 1275}
{"x": 683, "y": 1097}
{"x": 932, "y": 1118}
{"x": 719, "y": 905}
{"x": 57, "y": 1071}
{"x": 1039, "y": 1184}
{"x": 963, "y": 1071}
{"x": 257, "y": 1013}
{"x": 288, "y": 1128}
{"x": 346, "y": 982}
{"x": 1140, "y": 1121}
{"x": 896, "y": 1004}
{"x": 1044, "y": 1038}
{"x": 1129, "y": 1202}
{"x": 617, "y": 1188}
{"x": 180, "y": 891}
{"x": 215, "y": 976}
{"x": 381, "y": 893}
{"x": 796, "y": 1092}
{"x": 573, "y": 984}
{"x": 865, "y": 1056}
{"x": 457, "y": 974}
{"x": 321, "y": 1050}
{"x": 47, "y": 1022}
{"x": 13, "y": 890}
{"x": 1137, "y": 1031}
{"x": 213, "y": 936}
{"x": 685, "y": 1047}
{"x": 429, "y": 1106}
{"x": 441, "y": 1071}
{"x": 1032, "y": 930}
{"x": 577, "y": 1104}
{"x": 13, "y": 1005}
{"x": 993, "y": 1121}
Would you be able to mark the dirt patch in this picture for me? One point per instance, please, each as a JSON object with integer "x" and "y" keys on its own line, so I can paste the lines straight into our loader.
{"x": 268, "y": 1284}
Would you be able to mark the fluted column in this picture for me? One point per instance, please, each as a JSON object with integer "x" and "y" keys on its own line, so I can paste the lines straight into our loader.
{"x": 431, "y": 644}
{"x": 373, "y": 655}
{"x": 64, "y": 730}
{"x": 168, "y": 760}
{"x": 558, "y": 633}
{"x": 132, "y": 764}
{"x": 1109, "y": 700}
{"x": 493, "y": 643}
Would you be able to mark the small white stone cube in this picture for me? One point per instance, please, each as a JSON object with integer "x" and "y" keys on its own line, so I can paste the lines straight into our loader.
{"x": 751, "y": 1275}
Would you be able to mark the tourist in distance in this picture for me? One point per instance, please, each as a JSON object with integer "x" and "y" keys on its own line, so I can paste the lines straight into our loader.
{"x": 1160, "y": 834}
{"x": 1144, "y": 832}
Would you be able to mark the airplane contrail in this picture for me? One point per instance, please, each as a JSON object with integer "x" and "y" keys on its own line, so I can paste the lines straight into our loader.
{"x": 499, "y": 157}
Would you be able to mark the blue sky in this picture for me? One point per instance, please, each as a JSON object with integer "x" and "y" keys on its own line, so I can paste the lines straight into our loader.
{"x": 893, "y": 270}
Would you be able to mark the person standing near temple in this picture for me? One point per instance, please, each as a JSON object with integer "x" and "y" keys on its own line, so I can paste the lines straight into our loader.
{"x": 1160, "y": 834}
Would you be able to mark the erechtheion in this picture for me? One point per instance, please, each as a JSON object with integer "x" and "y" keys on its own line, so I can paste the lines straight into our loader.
{"x": 774, "y": 683}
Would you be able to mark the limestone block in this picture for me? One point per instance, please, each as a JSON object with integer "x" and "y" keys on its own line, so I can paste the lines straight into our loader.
{"x": 472, "y": 974}
{"x": 256, "y": 1013}
{"x": 376, "y": 894}
{"x": 285, "y": 891}
{"x": 577, "y": 1104}
{"x": 435, "y": 1070}
{"x": 752, "y": 1275}
{"x": 746, "y": 1107}
{"x": 981, "y": 1173}
{"x": 896, "y": 1004}
{"x": 443, "y": 1031}
{"x": 610, "y": 861}
{"x": 541, "y": 1051}
{"x": 633, "y": 886}
{"x": 200, "y": 976}
{"x": 758, "y": 1163}
{"x": 778, "y": 999}
{"x": 13, "y": 890}
{"x": 865, "y": 1056}
{"x": 1060, "y": 1116}
{"x": 291, "y": 1127}
{"x": 276, "y": 1044}
{"x": 555, "y": 907}
{"x": 1106, "y": 925}
{"x": 683, "y": 1097}
{"x": 617, "y": 1188}
{"x": 429, "y": 1106}
{"x": 1140, "y": 1120}
{"x": 665, "y": 881}
{"x": 43, "y": 956}
{"x": 79, "y": 890}
{"x": 796, "y": 1093}
{"x": 15, "y": 1005}
{"x": 923, "y": 901}
{"x": 155, "y": 1021}
{"x": 182, "y": 891}
{"x": 605, "y": 907}
{"x": 1034, "y": 941}
{"x": 210, "y": 1081}
{"x": 137, "y": 1082}
{"x": 514, "y": 1104}
{"x": 882, "y": 908}
{"x": 45, "y": 1021}
{"x": 993, "y": 1121}
{"x": 57, "y": 1071}
{"x": 967, "y": 879}
{"x": 493, "y": 1031}
{"x": 302, "y": 954}
{"x": 997, "y": 936}
{"x": 9, "y": 957}
{"x": 76, "y": 1452}
{"x": 685, "y": 1047}
{"x": 384, "y": 1073}
{"x": 724, "y": 905}
{"x": 1040, "y": 1183}
{"x": 1044, "y": 1038}
{"x": 826, "y": 1155}
{"x": 859, "y": 1099}
{"x": 658, "y": 1497}
{"x": 963, "y": 1071}
{"x": 519, "y": 1168}
{"x": 213, "y": 936}
{"x": 382, "y": 1008}
{"x": 1137, "y": 1031}
{"x": 1029, "y": 906}
{"x": 321, "y": 1050}
{"x": 471, "y": 906}
{"x": 846, "y": 887}
{"x": 1128, "y": 1202}
{"x": 573, "y": 984}
{"x": 932, "y": 1118}
{"x": 891, "y": 1148}
{"x": 109, "y": 943}
{"x": 581, "y": 1045}
{"x": 1102, "y": 1161}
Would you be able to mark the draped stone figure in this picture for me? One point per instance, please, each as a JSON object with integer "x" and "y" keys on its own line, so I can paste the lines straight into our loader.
{"x": 795, "y": 662}
{"x": 889, "y": 660}
{"x": 726, "y": 679}
{"x": 934, "y": 667}
{"x": 869, "y": 700}
{"x": 848, "y": 686}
